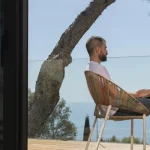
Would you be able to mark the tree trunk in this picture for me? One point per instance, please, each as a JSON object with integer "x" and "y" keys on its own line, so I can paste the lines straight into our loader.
{"x": 52, "y": 71}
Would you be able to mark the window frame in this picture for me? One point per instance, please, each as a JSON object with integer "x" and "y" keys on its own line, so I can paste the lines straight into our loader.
{"x": 15, "y": 58}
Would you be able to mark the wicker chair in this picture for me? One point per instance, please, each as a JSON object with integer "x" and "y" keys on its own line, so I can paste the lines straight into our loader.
{"x": 99, "y": 90}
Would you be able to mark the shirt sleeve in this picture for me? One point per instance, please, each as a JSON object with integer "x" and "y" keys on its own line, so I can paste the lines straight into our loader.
{"x": 103, "y": 71}
{"x": 107, "y": 74}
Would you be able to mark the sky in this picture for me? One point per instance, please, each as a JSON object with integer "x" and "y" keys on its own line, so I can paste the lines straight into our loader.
{"x": 125, "y": 25}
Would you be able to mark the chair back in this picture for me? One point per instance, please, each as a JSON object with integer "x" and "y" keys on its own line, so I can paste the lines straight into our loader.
{"x": 99, "y": 90}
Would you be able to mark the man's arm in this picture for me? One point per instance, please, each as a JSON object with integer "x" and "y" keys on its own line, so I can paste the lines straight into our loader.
{"x": 136, "y": 95}
{"x": 115, "y": 91}
{"x": 143, "y": 92}
{"x": 140, "y": 93}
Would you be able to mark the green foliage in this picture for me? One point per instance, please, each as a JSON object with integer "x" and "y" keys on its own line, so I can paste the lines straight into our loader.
{"x": 87, "y": 122}
{"x": 58, "y": 125}
{"x": 123, "y": 140}
{"x": 86, "y": 129}
{"x": 30, "y": 98}
{"x": 128, "y": 140}
{"x": 113, "y": 139}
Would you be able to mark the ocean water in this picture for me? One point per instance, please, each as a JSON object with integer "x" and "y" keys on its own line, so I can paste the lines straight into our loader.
{"x": 118, "y": 128}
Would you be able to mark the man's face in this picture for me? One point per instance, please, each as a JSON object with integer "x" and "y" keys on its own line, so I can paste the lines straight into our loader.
{"x": 102, "y": 54}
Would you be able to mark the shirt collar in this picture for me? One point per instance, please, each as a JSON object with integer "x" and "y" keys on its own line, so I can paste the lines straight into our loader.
{"x": 94, "y": 62}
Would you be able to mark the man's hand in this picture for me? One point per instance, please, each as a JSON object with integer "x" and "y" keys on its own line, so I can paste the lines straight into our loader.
{"x": 143, "y": 92}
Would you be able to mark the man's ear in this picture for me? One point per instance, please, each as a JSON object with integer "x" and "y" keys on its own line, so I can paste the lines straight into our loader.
{"x": 98, "y": 50}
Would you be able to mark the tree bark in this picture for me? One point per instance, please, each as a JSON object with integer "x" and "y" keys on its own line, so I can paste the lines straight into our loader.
{"x": 52, "y": 71}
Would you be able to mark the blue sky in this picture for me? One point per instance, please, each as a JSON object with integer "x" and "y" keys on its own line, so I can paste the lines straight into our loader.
{"x": 125, "y": 25}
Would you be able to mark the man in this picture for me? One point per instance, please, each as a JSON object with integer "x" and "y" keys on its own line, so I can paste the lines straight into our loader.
{"x": 97, "y": 50}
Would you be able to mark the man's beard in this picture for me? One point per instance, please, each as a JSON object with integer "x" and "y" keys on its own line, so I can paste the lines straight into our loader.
{"x": 103, "y": 58}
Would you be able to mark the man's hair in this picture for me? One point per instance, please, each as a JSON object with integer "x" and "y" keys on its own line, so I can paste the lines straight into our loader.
{"x": 93, "y": 42}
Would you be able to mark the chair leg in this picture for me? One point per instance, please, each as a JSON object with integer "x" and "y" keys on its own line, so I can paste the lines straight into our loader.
{"x": 132, "y": 137}
{"x": 144, "y": 132}
{"x": 103, "y": 126}
{"x": 87, "y": 145}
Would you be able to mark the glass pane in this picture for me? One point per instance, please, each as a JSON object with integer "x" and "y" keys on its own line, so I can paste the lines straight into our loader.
{"x": 74, "y": 90}
{"x": 1, "y": 72}
{"x": 123, "y": 38}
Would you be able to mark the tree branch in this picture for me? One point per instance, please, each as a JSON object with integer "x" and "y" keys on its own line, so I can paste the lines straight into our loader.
{"x": 78, "y": 28}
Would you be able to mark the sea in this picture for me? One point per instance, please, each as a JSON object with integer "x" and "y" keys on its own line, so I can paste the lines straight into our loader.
{"x": 119, "y": 129}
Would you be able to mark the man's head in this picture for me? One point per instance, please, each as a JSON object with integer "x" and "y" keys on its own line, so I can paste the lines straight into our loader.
{"x": 97, "y": 49}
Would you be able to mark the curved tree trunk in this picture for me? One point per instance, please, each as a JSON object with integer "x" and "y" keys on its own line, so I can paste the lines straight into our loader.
{"x": 52, "y": 72}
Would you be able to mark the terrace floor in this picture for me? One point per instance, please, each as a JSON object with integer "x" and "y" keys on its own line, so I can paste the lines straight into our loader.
{"x": 34, "y": 144}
